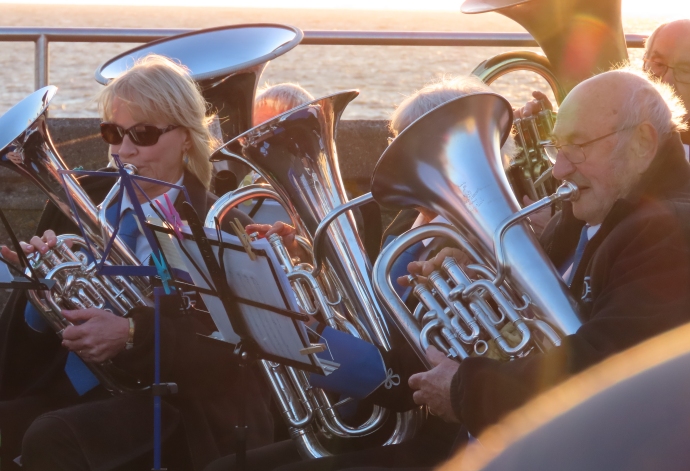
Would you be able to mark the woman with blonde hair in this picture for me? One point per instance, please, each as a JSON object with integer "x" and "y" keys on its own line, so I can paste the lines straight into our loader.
{"x": 57, "y": 415}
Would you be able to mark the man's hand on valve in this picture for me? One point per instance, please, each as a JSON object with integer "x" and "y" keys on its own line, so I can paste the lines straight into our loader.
{"x": 432, "y": 388}
{"x": 534, "y": 106}
{"x": 424, "y": 268}
{"x": 285, "y": 231}
{"x": 96, "y": 335}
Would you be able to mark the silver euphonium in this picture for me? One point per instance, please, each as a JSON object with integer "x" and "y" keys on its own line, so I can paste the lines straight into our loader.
{"x": 295, "y": 152}
{"x": 26, "y": 148}
{"x": 508, "y": 299}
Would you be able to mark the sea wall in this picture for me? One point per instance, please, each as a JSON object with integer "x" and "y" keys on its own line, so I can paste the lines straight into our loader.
{"x": 359, "y": 144}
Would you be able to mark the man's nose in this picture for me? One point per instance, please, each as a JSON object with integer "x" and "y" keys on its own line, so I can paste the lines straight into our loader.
{"x": 668, "y": 77}
{"x": 562, "y": 168}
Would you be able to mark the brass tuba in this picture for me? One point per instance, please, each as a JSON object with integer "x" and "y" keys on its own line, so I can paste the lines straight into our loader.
{"x": 580, "y": 38}
{"x": 227, "y": 63}
{"x": 295, "y": 152}
{"x": 26, "y": 148}
{"x": 508, "y": 299}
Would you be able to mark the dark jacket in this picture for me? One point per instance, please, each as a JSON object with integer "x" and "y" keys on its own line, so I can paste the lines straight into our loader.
{"x": 632, "y": 283}
{"x": 205, "y": 371}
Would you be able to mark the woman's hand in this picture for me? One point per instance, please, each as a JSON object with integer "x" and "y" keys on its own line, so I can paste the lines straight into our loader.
{"x": 533, "y": 107}
{"x": 285, "y": 231}
{"x": 36, "y": 244}
{"x": 425, "y": 268}
{"x": 96, "y": 335}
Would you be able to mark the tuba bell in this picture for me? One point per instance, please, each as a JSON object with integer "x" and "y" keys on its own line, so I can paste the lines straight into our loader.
{"x": 580, "y": 38}
{"x": 227, "y": 63}
{"x": 508, "y": 300}
{"x": 26, "y": 148}
{"x": 295, "y": 152}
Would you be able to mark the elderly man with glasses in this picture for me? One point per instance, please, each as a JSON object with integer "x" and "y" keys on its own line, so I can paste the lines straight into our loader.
{"x": 667, "y": 57}
{"x": 623, "y": 246}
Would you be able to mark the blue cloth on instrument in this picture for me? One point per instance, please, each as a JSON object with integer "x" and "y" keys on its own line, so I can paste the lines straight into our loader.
{"x": 399, "y": 268}
{"x": 361, "y": 369}
{"x": 81, "y": 377}
{"x": 35, "y": 320}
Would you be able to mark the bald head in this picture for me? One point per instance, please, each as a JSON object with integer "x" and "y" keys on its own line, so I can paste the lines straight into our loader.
{"x": 667, "y": 56}
{"x": 600, "y": 102}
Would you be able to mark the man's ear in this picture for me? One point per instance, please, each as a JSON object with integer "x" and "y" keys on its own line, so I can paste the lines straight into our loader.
{"x": 645, "y": 142}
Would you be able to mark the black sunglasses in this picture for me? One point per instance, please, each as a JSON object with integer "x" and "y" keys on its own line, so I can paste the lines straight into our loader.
{"x": 140, "y": 134}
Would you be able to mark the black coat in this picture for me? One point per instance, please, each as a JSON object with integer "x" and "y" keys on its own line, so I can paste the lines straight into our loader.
{"x": 205, "y": 371}
{"x": 632, "y": 283}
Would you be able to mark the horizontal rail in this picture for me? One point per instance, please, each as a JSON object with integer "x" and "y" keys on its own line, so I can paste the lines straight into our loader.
{"x": 42, "y": 37}
{"x": 322, "y": 38}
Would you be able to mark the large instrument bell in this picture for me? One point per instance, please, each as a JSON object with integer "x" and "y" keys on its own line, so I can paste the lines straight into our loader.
{"x": 580, "y": 38}
{"x": 296, "y": 154}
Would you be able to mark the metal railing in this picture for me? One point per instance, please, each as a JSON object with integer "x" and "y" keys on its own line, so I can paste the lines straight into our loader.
{"x": 42, "y": 37}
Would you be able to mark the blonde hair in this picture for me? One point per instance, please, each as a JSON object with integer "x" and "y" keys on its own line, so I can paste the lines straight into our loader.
{"x": 157, "y": 89}
{"x": 434, "y": 95}
{"x": 281, "y": 97}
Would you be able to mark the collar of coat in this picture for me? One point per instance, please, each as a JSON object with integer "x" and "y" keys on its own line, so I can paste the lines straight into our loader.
{"x": 668, "y": 172}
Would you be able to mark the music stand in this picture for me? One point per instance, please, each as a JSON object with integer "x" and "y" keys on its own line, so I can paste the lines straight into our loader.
{"x": 262, "y": 326}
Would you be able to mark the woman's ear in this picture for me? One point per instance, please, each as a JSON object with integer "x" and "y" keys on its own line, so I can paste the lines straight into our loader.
{"x": 187, "y": 143}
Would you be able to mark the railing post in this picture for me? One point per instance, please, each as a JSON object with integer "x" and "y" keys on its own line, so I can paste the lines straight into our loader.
{"x": 41, "y": 62}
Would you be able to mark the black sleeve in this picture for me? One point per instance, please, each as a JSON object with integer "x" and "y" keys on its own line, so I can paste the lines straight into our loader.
{"x": 198, "y": 365}
{"x": 641, "y": 287}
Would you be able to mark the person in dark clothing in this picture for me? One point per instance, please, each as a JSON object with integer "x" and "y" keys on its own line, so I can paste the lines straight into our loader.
{"x": 667, "y": 57}
{"x": 52, "y": 408}
{"x": 617, "y": 138}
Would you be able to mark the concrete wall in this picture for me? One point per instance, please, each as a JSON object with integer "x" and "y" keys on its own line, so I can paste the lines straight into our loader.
{"x": 359, "y": 143}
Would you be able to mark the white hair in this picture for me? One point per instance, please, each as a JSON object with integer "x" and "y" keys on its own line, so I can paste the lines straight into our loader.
{"x": 434, "y": 95}
{"x": 282, "y": 97}
{"x": 653, "y": 101}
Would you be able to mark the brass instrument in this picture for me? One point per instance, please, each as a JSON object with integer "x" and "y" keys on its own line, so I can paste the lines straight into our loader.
{"x": 508, "y": 299}
{"x": 580, "y": 38}
{"x": 26, "y": 148}
{"x": 227, "y": 63}
{"x": 295, "y": 152}
{"x": 529, "y": 170}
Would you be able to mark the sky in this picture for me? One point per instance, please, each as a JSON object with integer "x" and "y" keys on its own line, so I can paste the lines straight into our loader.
{"x": 662, "y": 8}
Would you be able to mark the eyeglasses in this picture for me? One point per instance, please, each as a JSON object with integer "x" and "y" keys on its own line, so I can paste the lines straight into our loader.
{"x": 140, "y": 134}
{"x": 658, "y": 69}
{"x": 575, "y": 153}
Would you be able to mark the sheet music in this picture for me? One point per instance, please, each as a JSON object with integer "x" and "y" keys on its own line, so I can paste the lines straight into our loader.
{"x": 262, "y": 280}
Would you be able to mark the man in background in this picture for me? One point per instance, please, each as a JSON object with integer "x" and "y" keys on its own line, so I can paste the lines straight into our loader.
{"x": 667, "y": 57}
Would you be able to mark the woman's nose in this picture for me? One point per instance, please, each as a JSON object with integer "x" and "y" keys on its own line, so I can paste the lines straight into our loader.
{"x": 127, "y": 148}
